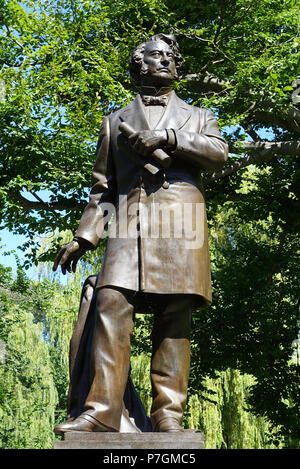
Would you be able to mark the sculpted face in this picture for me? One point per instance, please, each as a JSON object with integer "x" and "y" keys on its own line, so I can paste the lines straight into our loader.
{"x": 159, "y": 61}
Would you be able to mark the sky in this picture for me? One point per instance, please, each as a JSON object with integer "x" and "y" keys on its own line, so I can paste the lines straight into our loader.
{"x": 9, "y": 242}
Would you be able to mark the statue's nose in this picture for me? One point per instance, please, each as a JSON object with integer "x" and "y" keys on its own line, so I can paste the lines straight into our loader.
{"x": 165, "y": 60}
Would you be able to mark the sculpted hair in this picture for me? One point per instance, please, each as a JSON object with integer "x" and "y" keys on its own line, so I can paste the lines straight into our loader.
{"x": 137, "y": 68}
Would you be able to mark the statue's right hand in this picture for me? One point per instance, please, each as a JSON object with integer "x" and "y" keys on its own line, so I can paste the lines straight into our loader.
{"x": 69, "y": 254}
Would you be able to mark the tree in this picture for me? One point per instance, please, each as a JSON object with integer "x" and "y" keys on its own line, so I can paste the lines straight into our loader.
{"x": 64, "y": 66}
{"x": 36, "y": 323}
{"x": 28, "y": 395}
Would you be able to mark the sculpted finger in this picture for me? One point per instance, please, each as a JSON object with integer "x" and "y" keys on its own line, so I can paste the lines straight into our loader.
{"x": 58, "y": 258}
{"x": 69, "y": 250}
{"x": 64, "y": 258}
{"x": 74, "y": 264}
{"x": 76, "y": 258}
{"x": 55, "y": 264}
{"x": 67, "y": 265}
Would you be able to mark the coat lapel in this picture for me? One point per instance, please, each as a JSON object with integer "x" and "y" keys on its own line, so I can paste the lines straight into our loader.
{"x": 175, "y": 116}
{"x": 134, "y": 115}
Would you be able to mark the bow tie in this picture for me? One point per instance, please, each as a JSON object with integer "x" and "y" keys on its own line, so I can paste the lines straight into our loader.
{"x": 155, "y": 100}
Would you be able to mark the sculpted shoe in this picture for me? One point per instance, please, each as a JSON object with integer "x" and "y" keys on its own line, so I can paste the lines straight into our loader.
{"x": 83, "y": 423}
{"x": 169, "y": 425}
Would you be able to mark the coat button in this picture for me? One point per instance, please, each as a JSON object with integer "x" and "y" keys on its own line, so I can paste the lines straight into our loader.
{"x": 166, "y": 185}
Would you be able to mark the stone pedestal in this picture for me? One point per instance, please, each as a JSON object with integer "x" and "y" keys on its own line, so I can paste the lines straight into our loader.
{"x": 189, "y": 439}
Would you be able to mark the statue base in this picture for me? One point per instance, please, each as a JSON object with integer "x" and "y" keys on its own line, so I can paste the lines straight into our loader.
{"x": 188, "y": 439}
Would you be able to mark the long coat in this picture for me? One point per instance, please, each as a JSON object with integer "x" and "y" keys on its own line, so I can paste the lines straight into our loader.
{"x": 147, "y": 258}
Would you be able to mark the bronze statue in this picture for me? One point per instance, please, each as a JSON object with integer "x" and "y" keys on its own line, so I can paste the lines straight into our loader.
{"x": 148, "y": 160}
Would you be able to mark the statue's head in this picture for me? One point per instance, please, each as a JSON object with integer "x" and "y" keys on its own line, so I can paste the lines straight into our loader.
{"x": 156, "y": 62}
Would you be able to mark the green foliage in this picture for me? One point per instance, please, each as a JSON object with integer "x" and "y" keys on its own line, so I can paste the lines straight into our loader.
{"x": 220, "y": 411}
{"x": 5, "y": 275}
{"x": 254, "y": 320}
{"x": 36, "y": 323}
{"x": 28, "y": 394}
{"x": 63, "y": 66}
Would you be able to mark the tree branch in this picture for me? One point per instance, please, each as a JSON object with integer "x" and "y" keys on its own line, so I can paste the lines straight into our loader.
{"x": 268, "y": 148}
{"x": 13, "y": 38}
{"x": 251, "y": 132}
{"x": 179, "y": 33}
{"x": 260, "y": 151}
{"x": 220, "y": 22}
{"x": 236, "y": 166}
{"x": 68, "y": 204}
{"x": 37, "y": 197}
{"x": 291, "y": 121}
{"x": 206, "y": 83}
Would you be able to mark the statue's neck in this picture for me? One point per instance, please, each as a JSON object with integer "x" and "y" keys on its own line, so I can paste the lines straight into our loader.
{"x": 155, "y": 90}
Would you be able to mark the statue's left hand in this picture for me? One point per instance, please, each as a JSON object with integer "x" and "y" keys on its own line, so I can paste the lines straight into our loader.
{"x": 69, "y": 255}
{"x": 144, "y": 142}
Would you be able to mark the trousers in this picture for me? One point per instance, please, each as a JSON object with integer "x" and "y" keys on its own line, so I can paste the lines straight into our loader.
{"x": 110, "y": 354}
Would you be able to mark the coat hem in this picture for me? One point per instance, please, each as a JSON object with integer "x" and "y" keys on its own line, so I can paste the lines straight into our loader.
{"x": 201, "y": 300}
